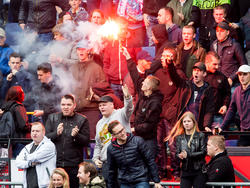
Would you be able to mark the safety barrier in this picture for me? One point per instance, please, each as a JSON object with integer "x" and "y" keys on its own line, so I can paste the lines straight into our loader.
{"x": 11, "y": 184}
{"x": 210, "y": 184}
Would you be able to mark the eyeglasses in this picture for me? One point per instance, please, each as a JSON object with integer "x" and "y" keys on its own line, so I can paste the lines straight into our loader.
{"x": 1, "y": 37}
{"x": 119, "y": 132}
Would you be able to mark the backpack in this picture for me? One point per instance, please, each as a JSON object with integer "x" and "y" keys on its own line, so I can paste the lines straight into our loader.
{"x": 7, "y": 125}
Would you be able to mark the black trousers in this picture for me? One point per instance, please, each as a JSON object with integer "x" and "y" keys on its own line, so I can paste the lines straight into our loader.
{"x": 197, "y": 181}
{"x": 73, "y": 179}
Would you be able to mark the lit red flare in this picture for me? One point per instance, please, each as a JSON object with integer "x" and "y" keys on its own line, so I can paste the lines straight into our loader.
{"x": 110, "y": 29}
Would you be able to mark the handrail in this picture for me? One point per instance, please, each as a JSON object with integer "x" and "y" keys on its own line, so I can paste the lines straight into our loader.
{"x": 222, "y": 184}
{"x": 11, "y": 183}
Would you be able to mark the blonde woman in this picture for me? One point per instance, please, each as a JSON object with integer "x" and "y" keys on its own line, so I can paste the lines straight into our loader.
{"x": 59, "y": 178}
{"x": 190, "y": 150}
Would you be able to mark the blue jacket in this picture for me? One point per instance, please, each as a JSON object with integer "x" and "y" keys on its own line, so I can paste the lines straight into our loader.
{"x": 5, "y": 52}
{"x": 239, "y": 103}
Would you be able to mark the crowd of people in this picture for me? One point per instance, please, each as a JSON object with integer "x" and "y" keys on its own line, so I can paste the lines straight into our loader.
{"x": 175, "y": 69}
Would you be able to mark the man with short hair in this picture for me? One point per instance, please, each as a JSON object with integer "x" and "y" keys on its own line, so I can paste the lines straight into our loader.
{"x": 86, "y": 72}
{"x": 38, "y": 159}
{"x": 240, "y": 103}
{"x": 88, "y": 176}
{"x": 130, "y": 160}
{"x": 219, "y": 168}
{"x": 195, "y": 94}
{"x": 148, "y": 107}
{"x": 230, "y": 52}
{"x": 189, "y": 51}
{"x": 165, "y": 16}
{"x": 47, "y": 93}
{"x": 70, "y": 133}
{"x": 18, "y": 76}
{"x": 103, "y": 137}
{"x": 220, "y": 85}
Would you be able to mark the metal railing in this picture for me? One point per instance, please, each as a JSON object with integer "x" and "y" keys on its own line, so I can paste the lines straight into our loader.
{"x": 11, "y": 184}
{"x": 210, "y": 184}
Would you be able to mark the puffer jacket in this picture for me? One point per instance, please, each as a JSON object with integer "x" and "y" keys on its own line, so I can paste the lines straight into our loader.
{"x": 41, "y": 14}
{"x": 69, "y": 148}
{"x": 195, "y": 153}
{"x": 131, "y": 162}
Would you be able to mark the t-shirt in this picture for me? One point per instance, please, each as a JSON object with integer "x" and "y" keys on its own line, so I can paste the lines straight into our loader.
{"x": 31, "y": 174}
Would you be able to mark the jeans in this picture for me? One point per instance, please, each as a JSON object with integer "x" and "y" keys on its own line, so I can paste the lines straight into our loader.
{"x": 45, "y": 37}
{"x": 137, "y": 185}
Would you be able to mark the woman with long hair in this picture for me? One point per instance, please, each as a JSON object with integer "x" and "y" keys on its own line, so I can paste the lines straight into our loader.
{"x": 59, "y": 178}
{"x": 190, "y": 150}
{"x": 14, "y": 104}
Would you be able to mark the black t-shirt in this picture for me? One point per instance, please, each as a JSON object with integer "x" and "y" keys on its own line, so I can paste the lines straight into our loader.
{"x": 31, "y": 174}
{"x": 184, "y": 58}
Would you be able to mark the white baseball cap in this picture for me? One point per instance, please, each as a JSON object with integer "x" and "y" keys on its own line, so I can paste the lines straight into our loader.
{"x": 244, "y": 69}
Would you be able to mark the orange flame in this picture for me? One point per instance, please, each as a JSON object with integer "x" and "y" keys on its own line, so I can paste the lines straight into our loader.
{"x": 110, "y": 29}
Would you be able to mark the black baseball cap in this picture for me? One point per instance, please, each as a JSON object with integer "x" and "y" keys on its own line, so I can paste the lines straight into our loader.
{"x": 200, "y": 66}
{"x": 106, "y": 98}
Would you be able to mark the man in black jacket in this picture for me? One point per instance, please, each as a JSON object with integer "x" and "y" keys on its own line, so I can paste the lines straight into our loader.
{"x": 219, "y": 168}
{"x": 70, "y": 133}
{"x": 46, "y": 94}
{"x": 148, "y": 107}
{"x": 220, "y": 85}
{"x": 130, "y": 160}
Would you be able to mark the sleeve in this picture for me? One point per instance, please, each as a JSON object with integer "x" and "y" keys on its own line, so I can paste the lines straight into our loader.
{"x": 82, "y": 138}
{"x": 128, "y": 108}
{"x": 240, "y": 57}
{"x": 195, "y": 13}
{"x": 51, "y": 128}
{"x": 137, "y": 80}
{"x": 175, "y": 77}
{"x": 147, "y": 155}
{"x": 178, "y": 146}
{"x": 22, "y": 14}
{"x": 21, "y": 161}
{"x": 209, "y": 109}
{"x": 64, "y": 4}
{"x": 21, "y": 118}
{"x": 230, "y": 112}
{"x": 98, "y": 147}
{"x": 4, "y": 89}
{"x": 226, "y": 92}
{"x": 112, "y": 169}
{"x": 4, "y": 58}
{"x": 106, "y": 60}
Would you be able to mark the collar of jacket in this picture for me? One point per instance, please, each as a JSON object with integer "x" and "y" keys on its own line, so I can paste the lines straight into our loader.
{"x": 195, "y": 46}
{"x": 115, "y": 143}
{"x": 224, "y": 153}
{"x": 227, "y": 42}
